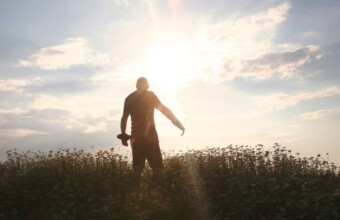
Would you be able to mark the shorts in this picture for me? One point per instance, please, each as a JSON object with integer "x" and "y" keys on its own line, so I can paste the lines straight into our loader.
{"x": 146, "y": 148}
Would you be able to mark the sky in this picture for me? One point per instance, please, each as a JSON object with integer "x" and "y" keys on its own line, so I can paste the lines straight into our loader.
{"x": 234, "y": 72}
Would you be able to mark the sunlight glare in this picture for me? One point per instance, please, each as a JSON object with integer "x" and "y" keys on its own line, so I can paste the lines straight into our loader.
{"x": 170, "y": 63}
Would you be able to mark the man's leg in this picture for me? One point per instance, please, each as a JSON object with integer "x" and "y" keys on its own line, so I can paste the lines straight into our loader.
{"x": 155, "y": 160}
{"x": 138, "y": 161}
{"x": 137, "y": 173}
{"x": 157, "y": 176}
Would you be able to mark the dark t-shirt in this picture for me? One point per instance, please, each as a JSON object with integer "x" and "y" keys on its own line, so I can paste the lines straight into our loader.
{"x": 140, "y": 106}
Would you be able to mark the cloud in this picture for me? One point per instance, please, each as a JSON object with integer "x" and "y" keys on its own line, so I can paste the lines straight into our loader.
{"x": 237, "y": 36}
{"x": 15, "y": 111}
{"x": 13, "y": 85}
{"x": 85, "y": 124}
{"x": 273, "y": 136}
{"x": 285, "y": 63}
{"x": 93, "y": 103}
{"x": 318, "y": 114}
{"x": 206, "y": 49}
{"x": 124, "y": 3}
{"x": 282, "y": 101}
{"x": 83, "y": 112}
{"x": 315, "y": 115}
{"x": 20, "y": 123}
{"x": 309, "y": 34}
{"x": 237, "y": 40}
{"x": 15, "y": 133}
{"x": 3, "y": 120}
{"x": 87, "y": 127}
{"x": 73, "y": 52}
{"x": 243, "y": 47}
{"x": 222, "y": 51}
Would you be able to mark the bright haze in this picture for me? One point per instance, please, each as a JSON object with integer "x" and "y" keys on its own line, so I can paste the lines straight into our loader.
{"x": 234, "y": 72}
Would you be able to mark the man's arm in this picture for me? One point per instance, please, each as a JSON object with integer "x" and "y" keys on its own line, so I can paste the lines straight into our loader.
{"x": 123, "y": 122}
{"x": 123, "y": 136}
{"x": 168, "y": 113}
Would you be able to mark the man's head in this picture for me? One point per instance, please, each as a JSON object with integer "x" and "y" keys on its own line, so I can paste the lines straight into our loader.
{"x": 142, "y": 84}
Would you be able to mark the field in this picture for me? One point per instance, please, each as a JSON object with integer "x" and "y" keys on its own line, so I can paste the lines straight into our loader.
{"x": 236, "y": 182}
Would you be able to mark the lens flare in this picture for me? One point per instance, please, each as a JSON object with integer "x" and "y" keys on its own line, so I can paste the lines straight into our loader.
{"x": 174, "y": 5}
{"x": 170, "y": 62}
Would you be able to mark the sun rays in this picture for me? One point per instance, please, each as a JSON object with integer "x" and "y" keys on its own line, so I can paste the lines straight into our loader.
{"x": 170, "y": 62}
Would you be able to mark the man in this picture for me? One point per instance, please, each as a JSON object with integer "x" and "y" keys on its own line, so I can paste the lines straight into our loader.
{"x": 140, "y": 106}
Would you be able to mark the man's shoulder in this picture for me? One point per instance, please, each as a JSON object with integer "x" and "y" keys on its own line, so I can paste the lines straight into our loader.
{"x": 152, "y": 96}
{"x": 149, "y": 95}
{"x": 133, "y": 94}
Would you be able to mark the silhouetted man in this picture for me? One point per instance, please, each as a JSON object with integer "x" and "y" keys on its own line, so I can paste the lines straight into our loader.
{"x": 140, "y": 106}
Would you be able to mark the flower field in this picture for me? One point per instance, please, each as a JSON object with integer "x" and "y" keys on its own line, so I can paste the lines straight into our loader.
{"x": 236, "y": 182}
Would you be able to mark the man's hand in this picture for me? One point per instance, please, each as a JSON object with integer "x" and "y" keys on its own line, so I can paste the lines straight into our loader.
{"x": 162, "y": 108}
{"x": 178, "y": 124}
{"x": 124, "y": 138}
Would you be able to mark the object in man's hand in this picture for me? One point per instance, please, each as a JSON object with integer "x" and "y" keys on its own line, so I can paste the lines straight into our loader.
{"x": 124, "y": 138}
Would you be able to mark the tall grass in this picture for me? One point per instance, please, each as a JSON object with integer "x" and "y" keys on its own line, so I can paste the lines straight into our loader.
{"x": 237, "y": 182}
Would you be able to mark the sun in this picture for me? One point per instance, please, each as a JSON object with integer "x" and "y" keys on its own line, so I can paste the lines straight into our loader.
{"x": 170, "y": 63}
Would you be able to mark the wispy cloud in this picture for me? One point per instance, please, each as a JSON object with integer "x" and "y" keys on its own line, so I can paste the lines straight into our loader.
{"x": 75, "y": 51}
{"x": 13, "y": 85}
{"x": 15, "y": 133}
{"x": 84, "y": 114}
{"x": 125, "y": 3}
{"x": 218, "y": 51}
{"x": 241, "y": 42}
{"x": 272, "y": 136}
{"x": 318, "y": 114}
{"x": 236, "y": 37}
{"x": 234, "y": 47}
{"x": 82, "y": 104}
{"x": 285, "y": 63}
{"x": 87, "y": 127}
{"x": 282, "y": 101}
{"x": 15, "y": 111}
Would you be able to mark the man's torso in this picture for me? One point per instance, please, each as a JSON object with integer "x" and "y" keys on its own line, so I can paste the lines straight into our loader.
{"x": 140, "y": 106}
